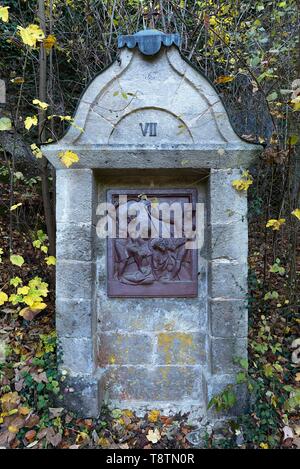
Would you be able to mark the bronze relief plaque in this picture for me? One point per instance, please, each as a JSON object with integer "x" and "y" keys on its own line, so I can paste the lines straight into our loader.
{"x": 149, "y": 257}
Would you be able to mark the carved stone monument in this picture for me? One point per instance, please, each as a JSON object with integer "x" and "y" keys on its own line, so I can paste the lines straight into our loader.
{"x": 145, "y": 322}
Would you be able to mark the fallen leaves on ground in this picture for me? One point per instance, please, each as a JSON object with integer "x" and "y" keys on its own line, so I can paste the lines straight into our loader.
{"x": 25, "y": 421}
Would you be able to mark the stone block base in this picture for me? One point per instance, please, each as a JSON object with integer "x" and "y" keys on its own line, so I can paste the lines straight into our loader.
{"x": 81, "y": 396}
{"x": 190, "y": 391}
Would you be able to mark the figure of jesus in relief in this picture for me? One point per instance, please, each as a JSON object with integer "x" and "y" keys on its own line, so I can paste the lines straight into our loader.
{"x": 145, "y": 256}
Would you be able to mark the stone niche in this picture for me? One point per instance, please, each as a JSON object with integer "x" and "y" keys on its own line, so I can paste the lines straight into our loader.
{"x": 151, "y": 124}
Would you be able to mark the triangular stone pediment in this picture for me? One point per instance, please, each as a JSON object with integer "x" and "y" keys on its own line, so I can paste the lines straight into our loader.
{"x": 149, "y": 103}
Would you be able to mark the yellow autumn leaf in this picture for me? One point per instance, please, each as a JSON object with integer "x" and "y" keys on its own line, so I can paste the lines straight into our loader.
{"x": 38, "y": 306}
{"x": 30, "y": 121}
{"x": 153, "y": 436}
{"x": 296, "y": 103}
{"x": 4, "y": 14}
{"x": 17, "y": 80}
{"x": 296, "y": 213}
{"x": 153, "y": 416}
{"x": 264, "y": 446}
{"x": 31, "y": 35}
{"x": 13, "y": 429}
{"x": 29, "y": 300}
{"x": 40, "y": 104}
{"x": 81, "y": 437}
{"x": 36, "y": 151}
{"x": 275, "y": 224}
{"x": 62, "y": 118}
{"x": 103, "y": 442}
{"x": 10, "y": 398}
{"x": 14, "y": 207}
{"x": 68, "y": 158}
{"x": 242, "y": 185}
{"x": 50, "y": 260}
{"x": 23, "y": 290}
{"x": 246, "y": 174}
{"x": 3, "y": 298}
{"x": 224, "y": 79}
{"x": 49, "y": 42}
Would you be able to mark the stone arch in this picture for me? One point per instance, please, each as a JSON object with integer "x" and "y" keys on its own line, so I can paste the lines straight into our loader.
{"x": 142, "y": 125}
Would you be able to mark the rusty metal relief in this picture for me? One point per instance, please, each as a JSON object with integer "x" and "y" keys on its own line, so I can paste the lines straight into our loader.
{"x": 151, "y": 266}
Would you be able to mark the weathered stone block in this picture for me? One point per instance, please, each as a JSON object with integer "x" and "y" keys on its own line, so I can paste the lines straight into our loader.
{"x": 76, "y": 354}
{"x": 74, "y": 317}
{"x": 224, "y": 352}
{"x": 217, "y": 385}
{"x": 227, "y": 205}
{"x": 125, "y": 349}
{"x": 156, "y": 314}
{"x": 229, "y": 241}
{"x": 227, "y": 279}
{"x": 182, "y": 348}
{"x": 187, "y": 315}
{"x": 81, "y": 395}
{"x": 164, "y": 383}
{"x": 228, "y": 318}
{"x": 74, "y": 279}
{"x": 75, "y": 195}
{"x": 75, "y": 241}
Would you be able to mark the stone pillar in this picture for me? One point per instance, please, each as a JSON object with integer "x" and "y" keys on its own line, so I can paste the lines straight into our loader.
{"x": 227, "y": 301}
{"x": 75, "y": 279}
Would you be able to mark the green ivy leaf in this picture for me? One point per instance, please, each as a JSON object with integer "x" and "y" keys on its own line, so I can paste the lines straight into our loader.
{"x": 17, "y": 260}
{"x": 244, "y": 363}
{"x": 15, "y": 281}
{"x": 293, "y": 139}
{"x": 241, "y": 377}
{"x": 272, "y": 96}
{"x": 271, "y": 295}
{"x": 5, "y": 124}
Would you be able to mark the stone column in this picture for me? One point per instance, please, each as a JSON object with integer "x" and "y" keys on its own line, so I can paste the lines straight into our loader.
{"x": 228, "y": 320}
{"x": 75, "y": 278}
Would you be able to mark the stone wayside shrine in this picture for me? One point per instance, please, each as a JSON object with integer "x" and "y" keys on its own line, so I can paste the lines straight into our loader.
{"x": 148, "y": 324}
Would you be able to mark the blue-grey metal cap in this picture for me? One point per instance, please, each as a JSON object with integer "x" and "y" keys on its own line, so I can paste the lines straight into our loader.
{"x": 149, "y": 41}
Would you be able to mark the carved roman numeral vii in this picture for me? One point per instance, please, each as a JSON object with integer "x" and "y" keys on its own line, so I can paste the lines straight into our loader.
{"x": 149, "y": 128}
